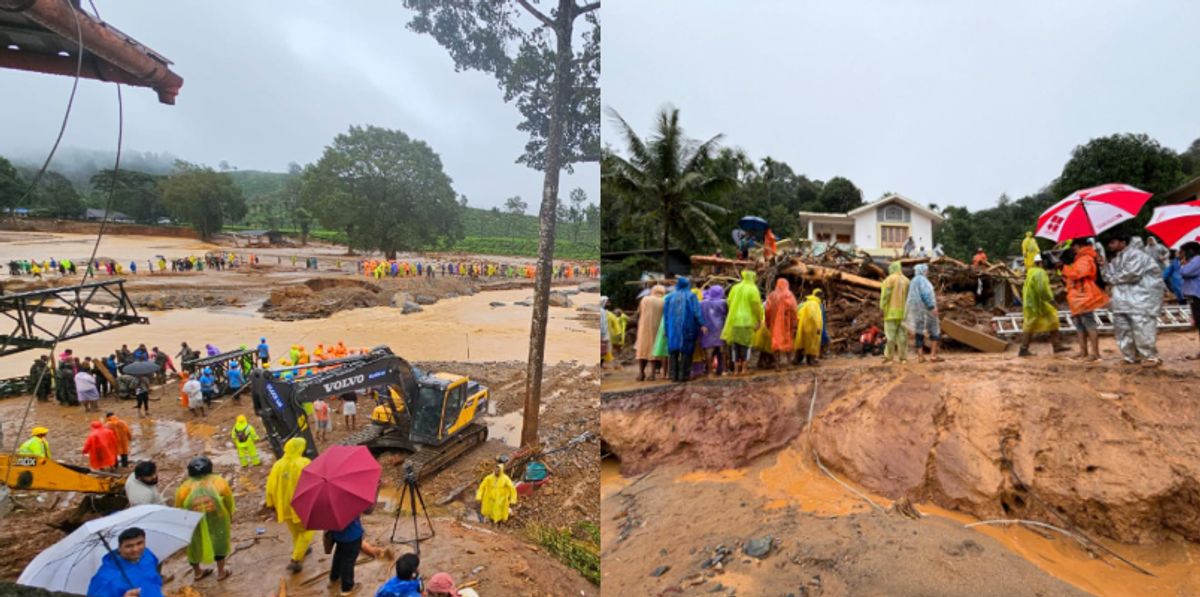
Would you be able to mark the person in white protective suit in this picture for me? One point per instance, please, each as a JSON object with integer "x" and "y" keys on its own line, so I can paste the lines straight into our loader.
{"x": 1134, "y": 278}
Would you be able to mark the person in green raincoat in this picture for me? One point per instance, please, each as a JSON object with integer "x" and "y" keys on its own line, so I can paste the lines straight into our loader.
{"x": 495, "y": 494}
{"x": 744, "y": 319}
{"x": 1029, "y": 249}
{"x": 893, "y": 295}
{"x": 1038, "y": 309}
{"x": 244, "y": 435}
{"x": 210, "y": 495}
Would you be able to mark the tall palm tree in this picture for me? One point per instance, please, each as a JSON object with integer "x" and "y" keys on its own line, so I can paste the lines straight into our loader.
{"x": 664, "y": 177}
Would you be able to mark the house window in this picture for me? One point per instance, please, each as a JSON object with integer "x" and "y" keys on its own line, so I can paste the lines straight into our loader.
{"x": 892, "y": 236}
{"x": 893, "y": 213}
{"x": 843, "y": 239}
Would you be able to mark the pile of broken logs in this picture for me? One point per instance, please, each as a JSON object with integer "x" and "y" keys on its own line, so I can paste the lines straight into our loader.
{"x": 850, "y": 284}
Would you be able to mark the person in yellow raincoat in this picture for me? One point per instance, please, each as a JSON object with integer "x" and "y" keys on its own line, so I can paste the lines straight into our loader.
{"x": 36, "y": 445}
{"x": 1029, "y": 249}
{"x": 745, "y": 318}
{"x": 1038, "y": 309}
{"x": 495, "y": 494}
{"x": 244, "y": 435}
{"x": 893, "y": 297}
{"x": 808, "y": 328}
{"x": 281, "y": 485}
{"x": 210, "y": 495}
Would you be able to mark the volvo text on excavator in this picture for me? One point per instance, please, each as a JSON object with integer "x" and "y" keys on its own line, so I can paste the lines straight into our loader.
{"x": 433, "y": 416}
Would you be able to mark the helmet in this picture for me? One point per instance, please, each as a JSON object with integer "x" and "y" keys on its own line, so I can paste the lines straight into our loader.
{"x": 208, "y": 370}
{"x": 39, "y": 431}
{"x": 199, "y": 466}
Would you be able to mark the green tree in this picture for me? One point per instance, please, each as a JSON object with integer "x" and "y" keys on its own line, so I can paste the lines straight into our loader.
{"x": 1134, "y": 159}
{"x": 839, "y": 195}
{"x": 556, "y": 88}
{"x": 12, "y": 186}
{"x": 385, "y": 189}
{"x": 57, "y": 197}
{"x": 203, "y": 198}
{"x": 575, "y": 214}
{"x": 515, "y": 206}
{"x": 135, "y": 194}
{"x": 665, "y": 178}
{"x": 1189, "y": 160}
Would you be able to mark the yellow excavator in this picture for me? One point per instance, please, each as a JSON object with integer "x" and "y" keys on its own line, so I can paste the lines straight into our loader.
{"x": 27, "y": 472}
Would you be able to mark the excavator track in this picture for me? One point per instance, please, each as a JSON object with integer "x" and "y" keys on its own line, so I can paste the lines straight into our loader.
{"x": 428, "y": 460}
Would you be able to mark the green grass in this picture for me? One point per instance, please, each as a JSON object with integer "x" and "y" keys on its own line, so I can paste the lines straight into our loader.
{"x": 578, "y": 548}
{"x": 522, "y": 247}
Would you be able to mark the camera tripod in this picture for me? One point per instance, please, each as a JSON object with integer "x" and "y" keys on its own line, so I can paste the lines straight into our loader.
{"x": 412, "y": 490}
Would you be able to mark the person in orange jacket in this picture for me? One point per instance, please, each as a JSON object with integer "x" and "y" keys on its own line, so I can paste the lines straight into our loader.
{"x": 1084, "y": 297}
{"x": 101, "y": 447}
{"x": 121, "y": 430}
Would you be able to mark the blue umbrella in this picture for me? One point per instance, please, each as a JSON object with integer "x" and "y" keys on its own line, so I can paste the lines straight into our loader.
{"x": 753, "y": 224}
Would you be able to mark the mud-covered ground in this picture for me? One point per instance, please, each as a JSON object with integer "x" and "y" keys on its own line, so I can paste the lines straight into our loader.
{"x": 1104, "y": 451}
{"x": 510, "y": 563}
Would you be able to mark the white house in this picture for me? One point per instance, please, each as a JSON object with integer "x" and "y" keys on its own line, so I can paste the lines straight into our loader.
{"x": 879, "y": 228}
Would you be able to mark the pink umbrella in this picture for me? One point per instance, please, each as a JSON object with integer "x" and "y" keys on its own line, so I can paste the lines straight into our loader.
{"x": 1176, "y": 224}
{"x": 1091, "y": 211}
{"x": 336, "y": 487}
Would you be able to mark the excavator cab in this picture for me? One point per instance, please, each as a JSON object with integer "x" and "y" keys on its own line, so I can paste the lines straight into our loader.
{"x": 433, "y": 416}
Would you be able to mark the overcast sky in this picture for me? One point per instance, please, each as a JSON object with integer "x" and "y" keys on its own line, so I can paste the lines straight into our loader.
{"x": 267, "y": 83}
{"x": 946, "y": 102}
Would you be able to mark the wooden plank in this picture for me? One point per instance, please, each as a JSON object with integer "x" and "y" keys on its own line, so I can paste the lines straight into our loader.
{"x": 975, "y": 339}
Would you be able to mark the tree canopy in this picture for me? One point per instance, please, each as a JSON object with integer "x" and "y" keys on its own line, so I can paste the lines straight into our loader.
{"x": 385, "y": 189}
{"x": 135, "y": 194}
{"x": 202, "y": 197}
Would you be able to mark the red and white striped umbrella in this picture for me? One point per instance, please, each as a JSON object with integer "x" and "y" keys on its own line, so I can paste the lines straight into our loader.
{"x": 1089, "y": 212}
{"x": 1176, "y": 224}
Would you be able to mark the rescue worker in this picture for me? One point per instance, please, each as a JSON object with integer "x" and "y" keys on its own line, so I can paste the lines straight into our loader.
{"x": 39, "y": 378}
{"x": 1029, "y": 249}
{"x": 294, "y": 354}
{"x": 140, "y": 487}
{"x": 234, "y": 377}
{"x": 264, "y": 352}
{"x": 683, "y": 326}
{"x": 1084, "y": 297}
{"x": 281, "y": 485}
{"x": 745, "y": 317}
{"x": 781, "y": 321}
{"x": 244, "y": 435}
{"x": 980, "y": 259}
{"x": 130, "y": 570}
{"x": 809, "y": 325}
{"x": 921, "y": 314}
{"x": 893, "y": 296}
{"x": 210, "y": 495}
{"x": 36, "y": 445}
{"x": 650, "y": 311}
{"x": 496, "y": 493}
{"x": 101, "y": 448}
{"x": 123, "y": 435}
{"x": 381, "y": 415}
{"x": 208, "y": 386}
{"x": 1038, "y": 309}
{"x": 1135, "y": 280}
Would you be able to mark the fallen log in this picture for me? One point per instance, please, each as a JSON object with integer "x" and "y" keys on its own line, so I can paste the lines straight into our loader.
{"x": 973, "y": 338}
{"x": 822, "y": 273}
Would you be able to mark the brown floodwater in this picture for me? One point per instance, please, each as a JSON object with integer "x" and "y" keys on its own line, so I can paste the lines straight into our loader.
{"x": 793, "y": 480}
{"x": 458, "y": 329}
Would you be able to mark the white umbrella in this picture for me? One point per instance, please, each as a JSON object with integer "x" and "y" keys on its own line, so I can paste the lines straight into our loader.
{"x": 69, "y": 564}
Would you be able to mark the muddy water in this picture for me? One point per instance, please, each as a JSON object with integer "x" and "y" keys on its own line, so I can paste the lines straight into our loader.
{"x": 459, "y": 329}
{"x": 790, "y": 479}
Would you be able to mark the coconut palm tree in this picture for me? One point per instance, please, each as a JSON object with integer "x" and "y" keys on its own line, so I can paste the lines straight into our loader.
{"x": 664, "y": 178}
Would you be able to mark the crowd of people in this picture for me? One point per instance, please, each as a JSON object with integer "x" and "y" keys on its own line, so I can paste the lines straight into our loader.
{"x": 217, "y": 261}
{"x": 392, "y": 268}
{"x": 690, "y": 332}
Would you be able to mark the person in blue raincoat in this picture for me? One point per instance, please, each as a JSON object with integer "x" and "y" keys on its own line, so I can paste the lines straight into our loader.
{"x": 208, "y": 385}
{"x": 131, "y": 567}
{"x": 264, "y": 353}
{"x": 235, "y": 377}
{"x": 684, "y": 325}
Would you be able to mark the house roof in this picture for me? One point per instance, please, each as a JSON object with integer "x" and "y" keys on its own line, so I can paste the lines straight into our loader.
{"x": 817, "y": 215}
{"x": 1185, "y": 191}
{"x": 41, "y": 36}
{"x": 99, "y": 213}
{"x": 897, "y": 198}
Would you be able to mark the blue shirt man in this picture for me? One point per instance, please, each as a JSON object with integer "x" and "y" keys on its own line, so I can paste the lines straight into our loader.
{"x": 264, "y": 351}
{"x": 131, "y": 567}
